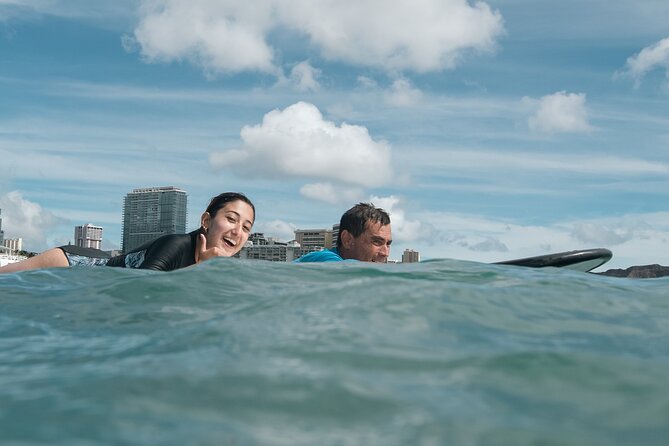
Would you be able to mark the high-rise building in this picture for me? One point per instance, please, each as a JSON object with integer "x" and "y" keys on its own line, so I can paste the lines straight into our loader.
{"x": 410, "y": 256}
{"x": 313, "y": 239}
{"x": 2, "y": 234}
{"x": 335, "y": 235}
{"x": 88, "y": 236}
{"x": 149, "y": 213}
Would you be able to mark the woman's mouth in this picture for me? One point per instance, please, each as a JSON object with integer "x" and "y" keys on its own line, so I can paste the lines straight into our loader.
{"x": 229, "y": 242}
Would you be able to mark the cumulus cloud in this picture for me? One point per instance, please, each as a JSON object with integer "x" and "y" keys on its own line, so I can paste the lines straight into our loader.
{"x": 278, "y": 229}
{"x": 648, "y": 59}
{"x": 330, "y": 193}
{"x": 299, "y": 142}
{"x": 402, "y": 93}
{"x": 423, "y": 35}
{"x": 560, "y": 112}
{"x": 404, "y": 230}
{"x": 305, "y": 77}
{"x": 229, "y": 36}
{"x": 219, "y": 35}
{"x": 28, "y": 220}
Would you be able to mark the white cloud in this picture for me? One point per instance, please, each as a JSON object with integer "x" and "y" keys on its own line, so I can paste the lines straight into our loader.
{"x": 278, "y": 229}
{"x": 299, "y": 142}
{"x": 423, "y": 35}
{"x": 404, "y": 230}
{"x": 230, "y": 36}
{"x": 330, "y": 193}
{"x": 648, "y": 59}
{"x": 219, "y": 35}
{"x": 28, "y": 220}
{"x": 403, "y": 94}
{"x": 304, "y": 77}
{"x": 560, "y": 112}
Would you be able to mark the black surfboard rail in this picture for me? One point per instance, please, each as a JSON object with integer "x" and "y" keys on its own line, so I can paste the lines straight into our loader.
{"x": 582, "y": 260}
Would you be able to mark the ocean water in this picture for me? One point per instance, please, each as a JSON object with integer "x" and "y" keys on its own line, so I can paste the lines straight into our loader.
{"x": 234, "y": 352}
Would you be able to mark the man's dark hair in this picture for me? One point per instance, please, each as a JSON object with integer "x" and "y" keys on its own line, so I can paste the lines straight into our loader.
{"x": 355, "y": 219}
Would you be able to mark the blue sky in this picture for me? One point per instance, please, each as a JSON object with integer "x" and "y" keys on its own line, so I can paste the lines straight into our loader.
{"x": 489, "y": 130}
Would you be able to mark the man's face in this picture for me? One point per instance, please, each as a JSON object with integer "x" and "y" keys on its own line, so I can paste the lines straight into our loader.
{"x": 373, "y": 245}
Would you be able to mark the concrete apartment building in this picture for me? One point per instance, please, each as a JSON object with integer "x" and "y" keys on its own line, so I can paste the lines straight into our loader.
{"x": 410, "y": 256}
{"x": 149, "y": 213}
{"x": 2, "y": 234}
{"x": 335, "y": 235}
{"x": 88, "y": 236}
{"x": 13, "y": 244}
{"x": 313, "y": 239}
{"x": 258, "y": 247}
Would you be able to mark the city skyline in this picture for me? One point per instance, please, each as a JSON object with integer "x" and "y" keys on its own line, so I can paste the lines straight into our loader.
{"x": 489, "y": 130}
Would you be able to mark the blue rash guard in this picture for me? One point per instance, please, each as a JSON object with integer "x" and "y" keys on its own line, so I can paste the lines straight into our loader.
{"x": 326, "y": 255}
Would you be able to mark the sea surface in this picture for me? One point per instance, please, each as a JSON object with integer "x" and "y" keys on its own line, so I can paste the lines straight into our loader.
{"x": 235, "y": 352}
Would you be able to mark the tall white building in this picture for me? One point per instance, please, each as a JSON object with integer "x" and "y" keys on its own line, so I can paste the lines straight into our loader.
{"x": 88, "y": 236}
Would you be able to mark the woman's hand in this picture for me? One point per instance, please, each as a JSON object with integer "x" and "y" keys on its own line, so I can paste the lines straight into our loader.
{"x": 205, "y": 254}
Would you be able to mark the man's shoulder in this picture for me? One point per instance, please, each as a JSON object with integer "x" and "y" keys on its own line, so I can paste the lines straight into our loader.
{"x": 326, "y": 255}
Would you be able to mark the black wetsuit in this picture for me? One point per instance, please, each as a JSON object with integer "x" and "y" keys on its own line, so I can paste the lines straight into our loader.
{"x": 166, "y": 253}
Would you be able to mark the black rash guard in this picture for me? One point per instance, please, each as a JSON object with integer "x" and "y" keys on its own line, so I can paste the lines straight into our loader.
{"x": 166, "y": 253}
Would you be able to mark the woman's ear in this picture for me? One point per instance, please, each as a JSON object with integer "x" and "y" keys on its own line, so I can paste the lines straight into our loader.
{"x": 205, "y": 220}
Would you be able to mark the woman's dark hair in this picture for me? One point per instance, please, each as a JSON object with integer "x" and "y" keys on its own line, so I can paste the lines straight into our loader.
{"x": 219, "y": 202}
{"x": 355, "y": 219}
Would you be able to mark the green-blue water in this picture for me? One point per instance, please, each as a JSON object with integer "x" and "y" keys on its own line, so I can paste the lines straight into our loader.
{"x": 237, "y": 352}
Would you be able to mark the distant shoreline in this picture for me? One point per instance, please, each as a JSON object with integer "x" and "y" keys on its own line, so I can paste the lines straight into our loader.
{"x": 638, "y": 272}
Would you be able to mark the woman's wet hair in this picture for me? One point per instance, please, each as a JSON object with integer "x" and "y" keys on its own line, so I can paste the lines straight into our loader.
{"x": 355, "y": 219}
{"x": 218, "y": 202}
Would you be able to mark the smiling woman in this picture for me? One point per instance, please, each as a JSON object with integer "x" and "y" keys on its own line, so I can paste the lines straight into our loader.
{"x": 224, "y": 229}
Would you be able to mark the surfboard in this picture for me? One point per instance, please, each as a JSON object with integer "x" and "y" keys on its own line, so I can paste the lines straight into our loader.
{"x": 580, "y": 260}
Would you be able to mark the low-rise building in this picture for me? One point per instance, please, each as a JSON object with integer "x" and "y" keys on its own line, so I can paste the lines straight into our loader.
{"x": 13, "y": 244}
{"x": 259, "y": 247}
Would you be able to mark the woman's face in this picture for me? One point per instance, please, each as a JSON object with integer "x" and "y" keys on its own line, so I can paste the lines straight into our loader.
{"x": 230, "y": 228}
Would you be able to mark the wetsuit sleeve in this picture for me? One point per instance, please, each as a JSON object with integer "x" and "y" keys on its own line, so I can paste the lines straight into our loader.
{"x": 169, "y": 253}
